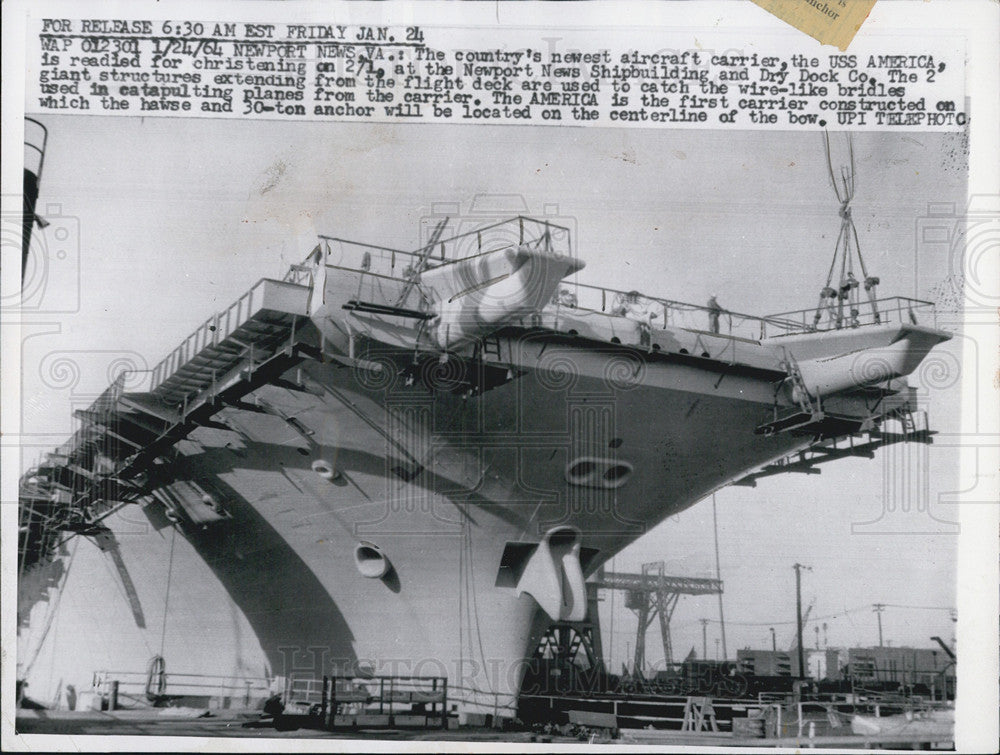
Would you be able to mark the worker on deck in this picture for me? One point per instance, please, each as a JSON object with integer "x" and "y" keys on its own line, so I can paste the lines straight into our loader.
{"x": 565, "y": 298}
{"x": 638, "y": 308}
{"x": 714, "y": 311}
{"x": 635, "y": 306}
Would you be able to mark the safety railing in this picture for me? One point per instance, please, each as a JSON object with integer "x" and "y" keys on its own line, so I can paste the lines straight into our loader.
{"x": 215, "y": 329}
{"x": 307, "y": 690}
{"x": 300, "y": 275}
{"x": 401, "y": 265}
{"x": 136, "y": 686}
{"x": 515, "y": 232}
{"x": 893, "y": 309}
{"x": 340, "y": 701}
{"x": 661, "y": 313}
{"x": 357, "y": 256}
{"x": 208, "y": 333}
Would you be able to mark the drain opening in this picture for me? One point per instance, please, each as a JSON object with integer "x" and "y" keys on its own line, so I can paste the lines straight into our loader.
{"x": 616, "y": 473}
{"x": 370, "y": 560}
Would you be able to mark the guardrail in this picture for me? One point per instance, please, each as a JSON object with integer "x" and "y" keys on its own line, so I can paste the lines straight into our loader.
{"x": 892, "y": 309}
{"x": 347, "y": 701}
{"x": 145, "y": 688}
{"x": 514, "y": 232}
{"x": 216, "y": 328}
{"x": 401, "y": 265}
{"x": 660, "y": 313}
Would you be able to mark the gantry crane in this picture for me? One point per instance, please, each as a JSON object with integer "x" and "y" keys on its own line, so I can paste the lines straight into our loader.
{"x": 653, "y": 594}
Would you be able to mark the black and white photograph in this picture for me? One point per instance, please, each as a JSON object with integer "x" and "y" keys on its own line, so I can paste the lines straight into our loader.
{"x": 436, "y": 378}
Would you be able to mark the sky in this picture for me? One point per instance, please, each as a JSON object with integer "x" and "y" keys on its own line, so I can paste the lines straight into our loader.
{"x": 157, "y": 223}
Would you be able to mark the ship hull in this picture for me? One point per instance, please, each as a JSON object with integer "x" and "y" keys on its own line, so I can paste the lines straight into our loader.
{"x": 440, "y": 480}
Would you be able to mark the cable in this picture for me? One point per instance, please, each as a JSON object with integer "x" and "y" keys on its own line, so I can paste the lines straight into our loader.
{"x": 166, "y": 597}
{"x": 475, "y": 609}
{"x": 838, "y": 615}
{"x": 919, "y": 608}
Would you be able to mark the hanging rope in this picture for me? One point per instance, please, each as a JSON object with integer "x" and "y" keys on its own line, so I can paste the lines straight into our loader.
{"x": 156, "y": 672}
{"x": 833, "y": 300}
{"x": 469, "y": 606}
{"x": 166, "y": 597}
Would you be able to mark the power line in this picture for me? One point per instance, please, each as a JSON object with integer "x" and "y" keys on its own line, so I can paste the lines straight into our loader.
{"x": 918, "y": 608}
{"x": 840, "y": 614}
{"x": 729, "y": 622}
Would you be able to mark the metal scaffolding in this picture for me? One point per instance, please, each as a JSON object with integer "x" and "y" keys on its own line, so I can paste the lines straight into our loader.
{"x": 653, "y": 594}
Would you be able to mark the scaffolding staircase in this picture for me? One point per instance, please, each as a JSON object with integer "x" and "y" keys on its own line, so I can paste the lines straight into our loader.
{"x": 234, "y": 352}
{"x": 105, "y": 464}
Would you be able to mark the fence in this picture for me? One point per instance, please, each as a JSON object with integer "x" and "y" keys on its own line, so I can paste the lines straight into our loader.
{"x": 141, "y": 689}
{"x": 370, "y": 701}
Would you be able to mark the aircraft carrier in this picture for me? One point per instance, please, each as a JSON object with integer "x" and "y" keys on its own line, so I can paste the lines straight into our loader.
{"x": 396, "y": 464}
{"x": 409, "y": 462}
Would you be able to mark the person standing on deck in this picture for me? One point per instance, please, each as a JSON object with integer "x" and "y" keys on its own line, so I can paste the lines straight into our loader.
{"x": 714, "y": 311}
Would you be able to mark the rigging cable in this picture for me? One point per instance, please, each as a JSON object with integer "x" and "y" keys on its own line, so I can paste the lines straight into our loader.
{"x": 166, "y": 596}
{"x": 475, "y": 607}
{"x": 718, "y": 576}
{"x": 847, "y": 292}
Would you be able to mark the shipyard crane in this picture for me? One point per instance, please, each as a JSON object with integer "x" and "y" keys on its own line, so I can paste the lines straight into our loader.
{"x": 654, "y": 595}
{"x": 944, "y": 646}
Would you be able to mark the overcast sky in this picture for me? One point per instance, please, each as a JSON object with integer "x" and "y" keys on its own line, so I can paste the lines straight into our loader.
{"x": 177, "y": 218}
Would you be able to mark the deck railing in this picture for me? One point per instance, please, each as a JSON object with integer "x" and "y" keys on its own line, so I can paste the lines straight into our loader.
{"x": 893, "y": 309}
{"x": 511, "y": 233}
{"x": 664, "y": 313}
{"x": 398, "y": 264}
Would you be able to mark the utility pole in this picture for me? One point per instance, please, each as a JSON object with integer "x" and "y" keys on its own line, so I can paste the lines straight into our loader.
{"x": 774, "y": 641}
{"x": 878, "y": 608}
{"x": 798, "y": 615}
{"x": 704, "y": 639}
